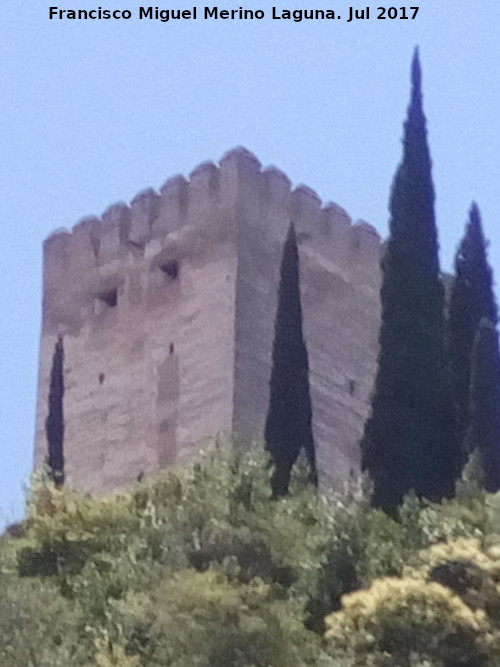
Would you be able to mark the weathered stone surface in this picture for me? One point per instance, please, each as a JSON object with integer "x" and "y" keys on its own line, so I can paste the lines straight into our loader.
{"x": 167, "y": 309}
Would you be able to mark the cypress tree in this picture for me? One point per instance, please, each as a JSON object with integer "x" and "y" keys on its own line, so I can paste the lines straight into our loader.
{"x": 483, "y": 431}
{"x": 54, "y": 424}
{"x": 288, "y": 425}
{"x": 471, "y": 299}
{"x": 407, "y": 443}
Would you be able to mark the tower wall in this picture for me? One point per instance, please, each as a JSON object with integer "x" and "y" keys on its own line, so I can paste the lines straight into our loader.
{"x": 149, "y": 379}
{"x": 340, "y": 286}
{"x": 167, "y": 309}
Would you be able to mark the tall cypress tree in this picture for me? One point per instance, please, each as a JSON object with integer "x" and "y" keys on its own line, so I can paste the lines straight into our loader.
{"x": 54, "y": 424}
{"x": 408, "y": 440}
{"x": 483, "y": 430}
{"x": 471, "y": 300}
{"x": 288, "y": 424}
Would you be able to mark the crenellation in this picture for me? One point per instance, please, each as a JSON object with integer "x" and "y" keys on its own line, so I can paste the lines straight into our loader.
{"x": 144, "y": 210}
{"x": 364, "y": 235}
{"x": 305, "y": 215}
{"x": 239, "y": 172}
{"x": 278, "y": 186}
{"x": 244, "y": 158}
{"x": 305, "y": 208}
{"x": 204, "y": 177}
{"x": 85, "y": 244}
{"x": 204, "y": 202}
{"x": 56, "y": 259}
{"x": 60, "y": 311}
{"x": 173, "y": 206}
{"x": 173, "y": 184}
{"x": 113, "y": 233}
{"x": 334, "y": 230}
{"x": 335, "y": 216}
{"x": 168, "y": 307}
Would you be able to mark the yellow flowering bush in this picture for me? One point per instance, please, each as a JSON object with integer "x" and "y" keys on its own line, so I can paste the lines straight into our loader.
{"x": 468, "y": 569}
{"x": 403, "y": 622}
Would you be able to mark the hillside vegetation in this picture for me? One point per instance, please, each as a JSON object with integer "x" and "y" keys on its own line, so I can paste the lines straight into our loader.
{"x": 201, "y": 568}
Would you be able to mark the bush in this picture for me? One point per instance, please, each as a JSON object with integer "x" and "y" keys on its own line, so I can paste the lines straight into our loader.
{"x": 363, "y": 544}
{"x": 400, "y": 622}
{"x": 64, "y": 529}
{"x": 472, "y": 572}
{"x": 39, "y": 627}
{"x": 204, "y": 620}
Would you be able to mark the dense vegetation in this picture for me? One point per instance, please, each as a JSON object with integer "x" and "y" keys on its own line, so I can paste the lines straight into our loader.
{"x": 201, "y": 568}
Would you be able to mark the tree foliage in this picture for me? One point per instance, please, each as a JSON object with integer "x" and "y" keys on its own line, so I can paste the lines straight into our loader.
{"x": 54, "y": 425}
{"x": 471, "y": 300}
{"x": 483, "y": 430}
{"x": 408, "y": 441}
{"x": 288, "y": 425}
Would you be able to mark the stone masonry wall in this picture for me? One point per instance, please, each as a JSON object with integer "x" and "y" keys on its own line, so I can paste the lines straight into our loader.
{"x": 167, "y": 311}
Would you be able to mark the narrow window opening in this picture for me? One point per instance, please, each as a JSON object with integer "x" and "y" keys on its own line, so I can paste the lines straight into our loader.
{"x": 102, "y": 377}
{"x": 171, "y": 269}
{"x": 110, "y": 297}
{"x": 54, "y": 424}
{"x": 289, "y": 418}
{"x": 171, "y": 348}
{"x": 352, "y": 387}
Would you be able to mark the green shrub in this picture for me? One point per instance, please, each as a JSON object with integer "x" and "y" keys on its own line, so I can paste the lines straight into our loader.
{"x": 39, "y": 628}
{"x": 204, "y": 620}
{"x": 64, "y": 529}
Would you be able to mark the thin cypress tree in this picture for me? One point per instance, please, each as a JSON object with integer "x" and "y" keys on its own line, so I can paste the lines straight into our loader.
{"x": 483, "y": 430}
{"x": 471, "y": 299}
{"x": 407, "y": 443}
{"x": 288, "y": 425}
{"x": 54, "y": 424}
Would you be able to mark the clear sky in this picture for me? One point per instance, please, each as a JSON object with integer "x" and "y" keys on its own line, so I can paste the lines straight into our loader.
{"x": 95, "y": 111}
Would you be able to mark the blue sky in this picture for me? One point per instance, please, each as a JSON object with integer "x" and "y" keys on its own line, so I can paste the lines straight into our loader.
{"x": 95, "y": 111}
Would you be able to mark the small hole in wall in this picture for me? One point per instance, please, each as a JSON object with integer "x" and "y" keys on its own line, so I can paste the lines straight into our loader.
{"x": 110, "y": 297}
{"x": 352, "y": 387}
{"x": 171, "y": 348}
{"x": 102, "y": 377}
{"x": 171, "y": 269}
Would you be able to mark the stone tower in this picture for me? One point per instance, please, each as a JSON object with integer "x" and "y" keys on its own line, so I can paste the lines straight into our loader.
{"x": 165, "y": 311}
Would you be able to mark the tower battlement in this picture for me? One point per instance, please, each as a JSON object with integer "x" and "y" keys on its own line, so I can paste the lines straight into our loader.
{"x": 166, "y": 307}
